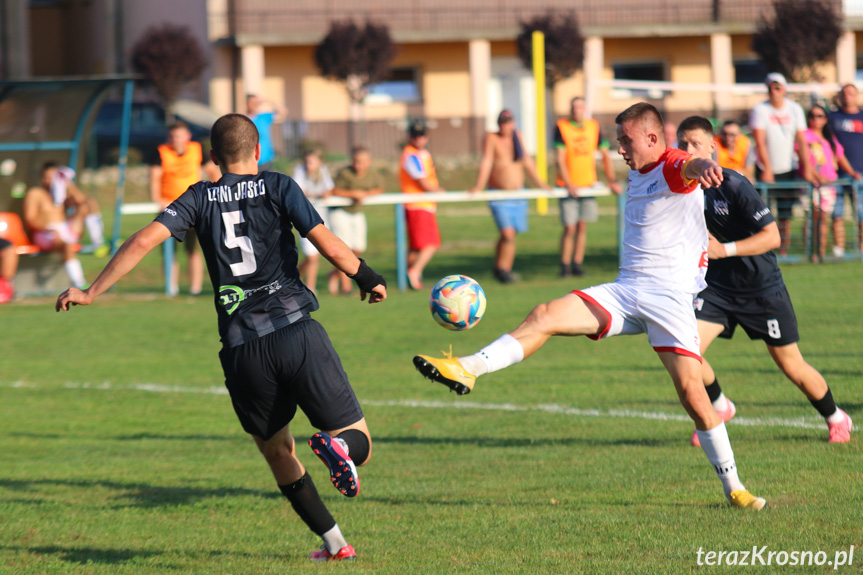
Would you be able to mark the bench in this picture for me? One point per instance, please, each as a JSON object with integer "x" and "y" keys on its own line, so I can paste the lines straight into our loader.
{"x": 39, "y": 273}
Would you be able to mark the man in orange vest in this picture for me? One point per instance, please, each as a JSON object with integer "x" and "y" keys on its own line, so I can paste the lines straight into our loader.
{"x": 174, "y": 167}
{"x": 576, "y": 141}
{"x": 416, "y": 176}
{"x": 733, "y": 150}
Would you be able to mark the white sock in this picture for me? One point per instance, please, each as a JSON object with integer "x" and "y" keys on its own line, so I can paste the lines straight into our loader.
{"x": 75, "y": 272}
{"x": 717, "y": 448}
{"x": 721, "y": 402}
{"x": 334, "y": 540}
{"x": 837, "y": 417}
{"x": 499, "y": 354}
{"x": 93, "y": 222}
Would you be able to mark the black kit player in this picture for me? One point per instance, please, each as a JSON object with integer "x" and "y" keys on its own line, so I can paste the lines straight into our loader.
{"x": 275, "y": 357}
{"x": 745, "y": 286}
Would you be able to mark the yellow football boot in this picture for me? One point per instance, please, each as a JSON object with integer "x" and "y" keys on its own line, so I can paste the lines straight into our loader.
{"x": 745, "y": 500}
{"x": 447, "y": 371}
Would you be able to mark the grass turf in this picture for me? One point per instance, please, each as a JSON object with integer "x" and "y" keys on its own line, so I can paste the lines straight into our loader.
{"x": 121, "y": 454}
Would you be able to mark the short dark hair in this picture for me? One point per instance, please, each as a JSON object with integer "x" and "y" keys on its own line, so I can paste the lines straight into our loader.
{"x": 696, "y": 123}
{"x": 359, "y": 150}
{"x": 641, "y": 111}
{"x": 179, "y": 125}
{"x": 50, "y": 164}
{"x": 233, "y": 137}
{"x": 730, "y": 123}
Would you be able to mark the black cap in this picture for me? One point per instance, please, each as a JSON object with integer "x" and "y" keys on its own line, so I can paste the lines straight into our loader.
{"x": 417, "y": 128}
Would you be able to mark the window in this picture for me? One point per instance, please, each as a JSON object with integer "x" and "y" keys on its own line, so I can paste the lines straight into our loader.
{"x": 402, "y": 85}
{"x": 644, "y": 71}
{"x": 749, "y": 71}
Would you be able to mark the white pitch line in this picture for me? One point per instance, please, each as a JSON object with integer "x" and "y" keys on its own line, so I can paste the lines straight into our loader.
{"x": 799, "y": 422}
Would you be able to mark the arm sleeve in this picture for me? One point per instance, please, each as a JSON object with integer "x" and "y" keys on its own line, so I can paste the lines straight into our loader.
{"x": 296, "y": 207}
{"x": 181, "y": 214}
{"x": 342, "y": 181}
{"x": 756, "y": 118}
{"x": 799, "y": 117}
{"x": 414, "y": 167}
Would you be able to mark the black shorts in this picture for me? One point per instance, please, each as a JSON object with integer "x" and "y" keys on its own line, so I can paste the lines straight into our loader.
{"x": 296, "y": 365}
{"x": 769, "y": 317}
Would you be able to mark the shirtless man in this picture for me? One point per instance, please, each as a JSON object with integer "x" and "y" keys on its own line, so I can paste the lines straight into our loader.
{"x": 502, "y": 168}
{"x": 45, "y": 216}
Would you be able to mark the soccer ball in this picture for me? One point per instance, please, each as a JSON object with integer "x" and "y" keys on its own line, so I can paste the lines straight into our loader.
{"x": 457, "y": 302}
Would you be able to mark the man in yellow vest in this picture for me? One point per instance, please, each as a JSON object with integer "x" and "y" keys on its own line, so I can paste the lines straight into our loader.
{"x": 416, "y": 176}
{"x": 576, "y": 141}
{"x": 174, "y": 167}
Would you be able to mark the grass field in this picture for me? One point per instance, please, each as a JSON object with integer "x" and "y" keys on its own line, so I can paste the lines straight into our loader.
{"x": 120, "y": 453}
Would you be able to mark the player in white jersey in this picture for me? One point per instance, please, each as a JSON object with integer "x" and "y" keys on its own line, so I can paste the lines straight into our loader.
{"x": 664, "y": 262}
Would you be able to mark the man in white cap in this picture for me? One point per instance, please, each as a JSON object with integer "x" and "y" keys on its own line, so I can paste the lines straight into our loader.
{"x": 777, "y": 124}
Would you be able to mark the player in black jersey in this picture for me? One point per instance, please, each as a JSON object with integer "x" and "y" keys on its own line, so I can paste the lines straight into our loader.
{"x": 275, "y": 357}
{"x": 745, "y": 286}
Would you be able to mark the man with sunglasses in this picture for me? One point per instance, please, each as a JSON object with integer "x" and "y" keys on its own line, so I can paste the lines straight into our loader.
{"x": 777, "y": 125}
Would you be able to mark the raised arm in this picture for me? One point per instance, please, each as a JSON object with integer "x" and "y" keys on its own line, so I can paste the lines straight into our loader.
{"x": 705, "y": 171}
{"x": 127, "y": 257}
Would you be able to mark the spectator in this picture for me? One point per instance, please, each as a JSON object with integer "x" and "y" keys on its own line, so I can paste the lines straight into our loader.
{"x": 8, "y": 267}
{"x": 847, "y": 125}
{"x": 576, "y": 140}
{"x": 733, "y": 150}
{"x": 502, "y": 167}
{"x": 417, "y": 176}
{"x": 174, "y": 167}
{"x": 777, "y": 126}
{"x": 314, "y": 179}
{"x": 356, "y": 182}
{"x": 825, "y": 155}
{"x": 55, "y": 213}
{"x": 265, "y": 113}
{"x": 670, "y": 130}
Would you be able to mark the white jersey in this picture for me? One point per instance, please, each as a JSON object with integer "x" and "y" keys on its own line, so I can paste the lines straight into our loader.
{"x": 780, "y": 127}
{"x": 665, "y": 238}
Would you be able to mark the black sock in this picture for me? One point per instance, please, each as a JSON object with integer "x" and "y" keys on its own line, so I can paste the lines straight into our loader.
{"x": 358, "y": 445}
{"x": 825, "y": 406}
{"x": 713, "y": 390}
{"x": 307, "y": 503}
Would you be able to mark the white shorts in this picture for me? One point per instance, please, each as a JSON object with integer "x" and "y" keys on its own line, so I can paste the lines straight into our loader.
{"x": 307, "y": 247}
{"x": 44, "y": 239}
{"x": 350, "y": 228}
{"x": 666, "y": 316}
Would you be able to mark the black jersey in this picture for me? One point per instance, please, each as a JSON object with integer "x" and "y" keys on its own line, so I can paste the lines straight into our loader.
{"x": 735, "y": 211}
{"x": 244, "y": 224}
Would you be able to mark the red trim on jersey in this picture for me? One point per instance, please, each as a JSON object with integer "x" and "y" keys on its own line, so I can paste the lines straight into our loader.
{"x": 589, "y": 299}
{"x": 674, "y": 171}
{"x": 678, "y": 351}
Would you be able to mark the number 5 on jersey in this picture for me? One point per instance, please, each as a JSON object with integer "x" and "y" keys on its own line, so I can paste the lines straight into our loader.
{"x": 243, "y": 243}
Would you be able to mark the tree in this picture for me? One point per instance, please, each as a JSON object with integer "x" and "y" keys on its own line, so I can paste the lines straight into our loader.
{"x": 801, "y": 33}
{"x": 358, "y": 57}
{"x": 169, "y": 57}
{"x": 564, "y": 44}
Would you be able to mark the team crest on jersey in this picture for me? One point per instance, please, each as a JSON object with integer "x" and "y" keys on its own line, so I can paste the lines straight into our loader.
{"x": 720, "y": 207}
{"x": 230, "y": 297}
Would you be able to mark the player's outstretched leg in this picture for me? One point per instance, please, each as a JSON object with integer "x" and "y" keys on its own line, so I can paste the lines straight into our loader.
{"x": 569, "y": 315}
